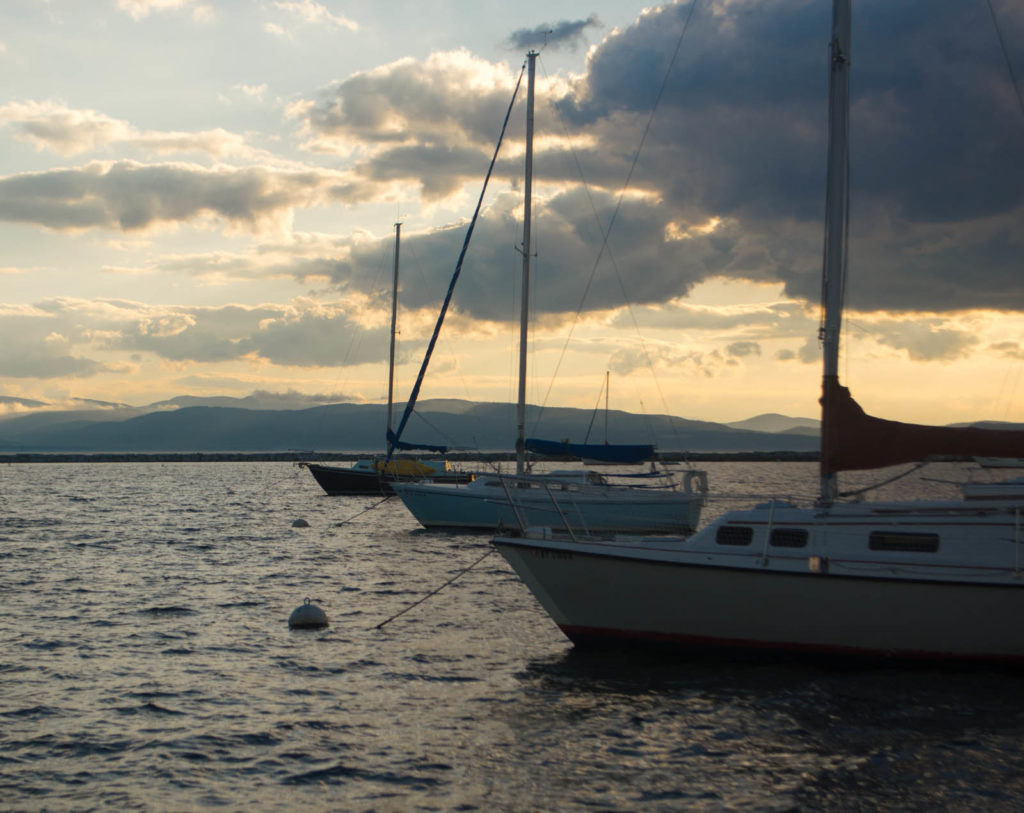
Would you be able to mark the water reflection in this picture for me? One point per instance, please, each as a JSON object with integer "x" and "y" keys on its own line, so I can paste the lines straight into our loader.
{"x": 824, "y": 735}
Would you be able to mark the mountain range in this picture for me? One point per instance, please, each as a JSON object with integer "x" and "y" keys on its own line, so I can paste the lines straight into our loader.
{"x": 191, "y": 424}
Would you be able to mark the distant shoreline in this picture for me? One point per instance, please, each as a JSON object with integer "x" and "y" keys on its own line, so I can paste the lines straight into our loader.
{"x": 347, "y": 457}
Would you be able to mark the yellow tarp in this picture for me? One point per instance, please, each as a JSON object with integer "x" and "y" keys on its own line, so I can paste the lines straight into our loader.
{"x": 409, "y": 468}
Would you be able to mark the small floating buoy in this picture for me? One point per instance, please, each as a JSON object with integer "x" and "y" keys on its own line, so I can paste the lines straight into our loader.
{"x": 300, "y": 523}
{"x": 307, "y": 616}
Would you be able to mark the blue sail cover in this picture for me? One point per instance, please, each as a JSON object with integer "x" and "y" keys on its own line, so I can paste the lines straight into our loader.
{"x": 618, "y": 453}
{"x": 403, "y": 446}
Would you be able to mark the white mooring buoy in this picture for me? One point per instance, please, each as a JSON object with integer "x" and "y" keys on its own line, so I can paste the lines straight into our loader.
{"x": 307, "y": 616}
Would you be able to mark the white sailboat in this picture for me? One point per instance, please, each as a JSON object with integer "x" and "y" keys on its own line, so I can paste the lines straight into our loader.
{"x": 576, "y": 500}
{"x": 932, "y": 579}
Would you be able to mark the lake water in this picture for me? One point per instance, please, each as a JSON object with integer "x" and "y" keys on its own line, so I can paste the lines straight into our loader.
{"x": 147, "y": 664}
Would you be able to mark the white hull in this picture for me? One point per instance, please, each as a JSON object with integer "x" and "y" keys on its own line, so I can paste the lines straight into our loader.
{"x": 484, "y": 504}
{"x": 836, "y": 595}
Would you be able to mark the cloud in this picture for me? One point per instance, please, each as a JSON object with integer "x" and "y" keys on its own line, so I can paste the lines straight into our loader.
{"x": 787, "y": 318}
{"x": 924, "y": 339}
{"x": 742, "y": 120}
{"x": 252, "y": 91}
{"x": 1011, "y": 350}
{"x": 729, "y": 183}
{"x": 259, "y": 398}
{"x": 743, "y": 349}
{"x": 129, "y": 196}
{"x": 312, "y": 13}
{"x": 55, "y": 126}
{"x": 34, "y": 344}
{"x": 291, "y": 399}
{"x": 451, "y": 97}
{"x": 564, "y": 34}
{"x": 668, "y": 357}
{"x": 139, "y": 9}
{"x": 730, "y": 180}
{"x": 303, "y": 334}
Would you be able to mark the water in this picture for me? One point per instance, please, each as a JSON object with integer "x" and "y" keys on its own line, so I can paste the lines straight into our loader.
{"x": 147, "y": 664}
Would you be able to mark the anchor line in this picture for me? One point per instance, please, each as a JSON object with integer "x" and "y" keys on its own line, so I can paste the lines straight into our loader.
{"x": 458, "y": 575}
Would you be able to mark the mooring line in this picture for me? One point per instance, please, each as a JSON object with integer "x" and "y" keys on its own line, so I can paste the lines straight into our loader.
{"x": 370, "y": 508}
{"x": 458, "y": 575}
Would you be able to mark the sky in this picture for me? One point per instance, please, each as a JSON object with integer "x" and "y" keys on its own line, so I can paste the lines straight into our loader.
{"x": 198, "y": 197}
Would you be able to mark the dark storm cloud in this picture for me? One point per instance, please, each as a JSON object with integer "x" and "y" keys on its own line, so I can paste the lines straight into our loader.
{"x": 564, "y": 34}
{"x": 567, "y": 260}
{"x": 937, "y": 166}
{"x": 739, "y": 136}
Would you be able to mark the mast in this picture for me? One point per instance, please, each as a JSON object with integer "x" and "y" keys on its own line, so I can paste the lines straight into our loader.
{"x": 394, "y": 322}
{"x": 524, "y": 314}
{"x": 837, "y": 202}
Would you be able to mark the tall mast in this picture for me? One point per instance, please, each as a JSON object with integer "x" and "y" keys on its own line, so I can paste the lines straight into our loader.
{"x": 394, "y": 323}
{"x": 837, "y": 202}
{"x": 524, "y": 315}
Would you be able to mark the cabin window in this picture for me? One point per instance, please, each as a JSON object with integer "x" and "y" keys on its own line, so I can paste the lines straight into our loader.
{"x": 734, "y": 535}
{"x": 903, "y": 542}
{"x": 788, "y": 538}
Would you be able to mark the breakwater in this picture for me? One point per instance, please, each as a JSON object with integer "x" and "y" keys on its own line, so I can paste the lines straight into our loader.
{"x": 341, "y": 457}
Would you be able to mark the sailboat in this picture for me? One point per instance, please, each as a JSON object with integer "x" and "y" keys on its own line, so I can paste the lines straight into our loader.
{"x": 377, "y": 475}
{"x": 935, "y": 579}
{"x": 584, "y": 500}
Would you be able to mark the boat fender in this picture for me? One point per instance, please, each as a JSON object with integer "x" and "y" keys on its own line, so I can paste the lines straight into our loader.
{"x": 307, "y": 616}
{"x": 702, "y": 481}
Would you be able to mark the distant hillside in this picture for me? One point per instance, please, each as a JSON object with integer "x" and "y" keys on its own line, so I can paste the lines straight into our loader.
{"x": 773, "y": 422}
{"x": 360, "y": 427}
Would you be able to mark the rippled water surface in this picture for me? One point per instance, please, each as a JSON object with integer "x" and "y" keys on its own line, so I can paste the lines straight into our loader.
{"x": 147, "y": 664}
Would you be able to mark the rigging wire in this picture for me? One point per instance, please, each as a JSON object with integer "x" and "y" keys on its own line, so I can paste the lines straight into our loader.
{"x": 1006, "y": 56}
{"x": 605, "y": 233}
{"x": 455, "y": 277}
{"x": 447, "y": 438}
{"x": 1020, "y": 104}
{"x": 857, "y": 492}
{"x": 417, "y": 262}
{"x": 593, "y": 415}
